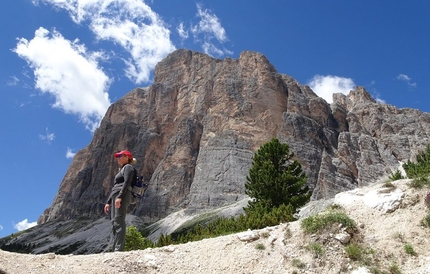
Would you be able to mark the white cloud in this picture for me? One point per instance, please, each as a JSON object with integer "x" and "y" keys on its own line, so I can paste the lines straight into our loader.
{"x": 325, "y": 86}
{"x": 128, "y": 23}
{"x": 211, "y": 49}
{"x": 1, "y": 227}
{"x": 181, "y": 31}
{"x": 24, "y": 224}
{"x": 70, "y": 154}
{"x": 48, "y": 137}
{"x": 407, "y": 79}
{"x": 209, "y": 27}
{"x": 67, "y": 71}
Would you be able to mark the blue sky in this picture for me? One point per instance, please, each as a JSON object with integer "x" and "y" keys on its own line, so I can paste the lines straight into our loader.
{"x": 63, "y": 62}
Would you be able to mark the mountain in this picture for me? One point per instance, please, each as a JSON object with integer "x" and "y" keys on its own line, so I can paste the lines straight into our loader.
{"x": 194, "y": 132}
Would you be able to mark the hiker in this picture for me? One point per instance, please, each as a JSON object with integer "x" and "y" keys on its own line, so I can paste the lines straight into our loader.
{"x": 119, "y": 198}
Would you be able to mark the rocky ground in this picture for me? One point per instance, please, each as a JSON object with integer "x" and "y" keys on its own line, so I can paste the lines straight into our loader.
{"x": 388, "y": 219}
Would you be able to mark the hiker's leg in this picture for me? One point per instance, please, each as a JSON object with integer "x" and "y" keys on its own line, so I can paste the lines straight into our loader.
{"x": 111, "y": 246}
{"x": 119, "y": 222}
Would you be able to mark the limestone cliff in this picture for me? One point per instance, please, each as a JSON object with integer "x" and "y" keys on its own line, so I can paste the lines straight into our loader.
{"x": 195, "y": 129}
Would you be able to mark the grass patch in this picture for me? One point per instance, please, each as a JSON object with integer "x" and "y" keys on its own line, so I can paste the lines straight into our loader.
{"x": 426, "y": 221}
{"x": 297, "y": 263}
{"x": 260, "y": 246}
{"x": 320, "y": 222}
{"x": 394, "y": 269}
{"x": 419, "y": 182}
{"x": 409, "y": 249}
{"x": 354, "y": 251}
{"x": 316, "y": 248}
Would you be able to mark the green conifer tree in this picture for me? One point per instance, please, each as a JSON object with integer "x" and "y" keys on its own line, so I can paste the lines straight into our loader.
{"x": 275, "y": 179}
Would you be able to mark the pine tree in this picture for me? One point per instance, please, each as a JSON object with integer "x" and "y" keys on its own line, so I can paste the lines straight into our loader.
{"x": 275, "y": 179}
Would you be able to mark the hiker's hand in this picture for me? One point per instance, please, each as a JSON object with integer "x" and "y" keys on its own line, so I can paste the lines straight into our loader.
{"x": 107, "y": 207}
{"x": 118, "y": 202}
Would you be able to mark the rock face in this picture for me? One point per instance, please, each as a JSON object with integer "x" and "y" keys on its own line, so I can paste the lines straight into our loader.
{"x": 195, "y": 129}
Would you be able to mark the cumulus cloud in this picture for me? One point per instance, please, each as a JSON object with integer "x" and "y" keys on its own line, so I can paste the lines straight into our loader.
{"x": 24, "y": 224}
{"x": 70, "y": 154}
{"x": 406, "y": 79}
{"x": 66, "y": 70}
{"x": 1, "y": 227}
{"x": 128, "y": 23}
{"x": 325, "y": 86}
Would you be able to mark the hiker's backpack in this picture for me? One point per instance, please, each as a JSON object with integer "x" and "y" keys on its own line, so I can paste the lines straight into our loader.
{"x": 138, "y": 188}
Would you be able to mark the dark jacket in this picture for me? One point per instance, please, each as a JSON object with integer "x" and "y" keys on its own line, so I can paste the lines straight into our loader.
{"x": 122, "y": 181}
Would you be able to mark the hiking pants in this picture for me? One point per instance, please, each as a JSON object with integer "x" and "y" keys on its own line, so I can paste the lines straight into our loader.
{"x": 118, "y": 221}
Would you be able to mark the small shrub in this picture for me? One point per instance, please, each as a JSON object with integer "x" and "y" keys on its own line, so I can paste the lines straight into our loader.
{"x": 409, "y": 249}
{"x": 396, "y": 176}
{"x": 288, "y": 233}
{"x": 334, "y": 207}
{"x": 419, "y": 182}
{"x": 426, "y": 221}
{"x": 354, "y": 251}
{"x": 421, "y": 168}
{"x": 316, "y": 248}
{"x": 394, "y": 269}
{"x": 297, "y": 263}
{"x": 317, "y": 223}
{"x": 260, "y": 246}
{"x": 135, "y": 241}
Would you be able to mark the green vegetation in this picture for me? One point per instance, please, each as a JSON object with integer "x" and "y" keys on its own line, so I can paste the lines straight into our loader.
{"x": 396, "y": 176}
{"x": 422, "y": 166}
{"x": 275, "y": 179}
{"x": 297, "y": 263}
{"x": 223, "y": 226}
{"x": 134, "y": 240}
{"x": 420, "y": 182}
{"x": 426, "y": 221}
{"x": 316, "y": 248}
{"x": 320, "y": 222}
{"x": 394, "y": 269}
{"x": 260, "y": 246}
{"x": 366, "y": 256}
{"x": 354, "y": 251}
{"x": 409, "y": 249}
